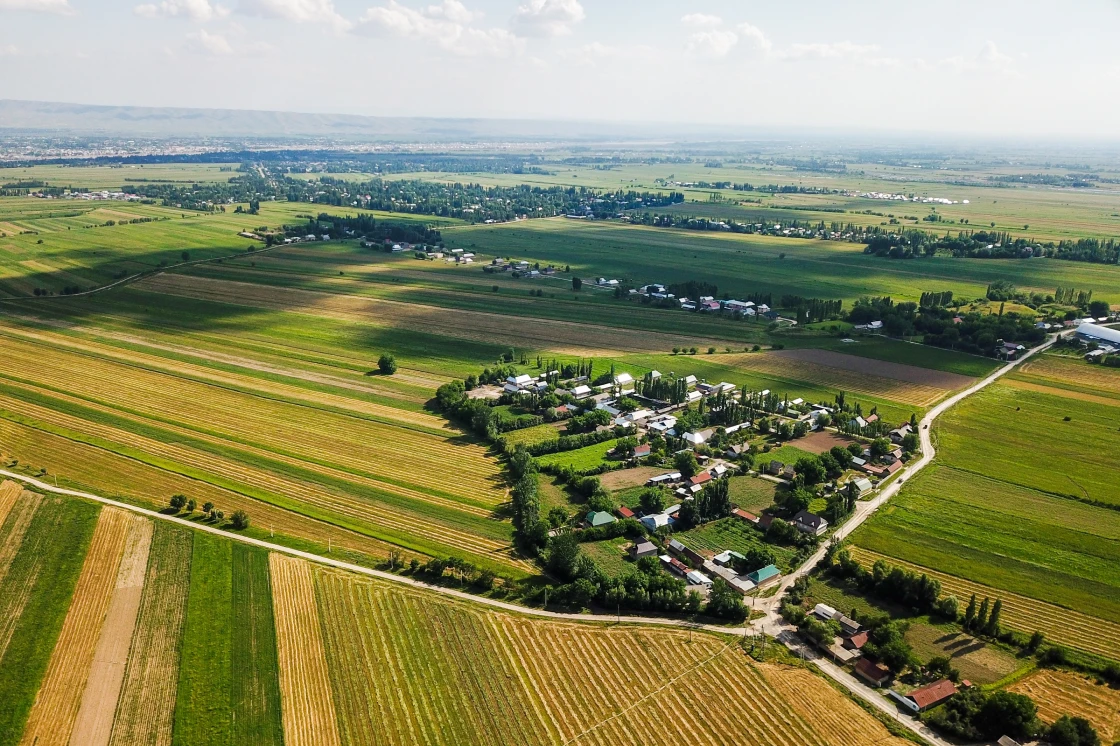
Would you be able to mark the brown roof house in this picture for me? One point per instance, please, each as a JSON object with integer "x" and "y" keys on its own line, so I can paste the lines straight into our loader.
{"x": 873, "y": 673}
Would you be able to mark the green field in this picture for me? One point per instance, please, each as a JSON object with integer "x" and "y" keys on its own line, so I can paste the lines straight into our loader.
{"x": 34, "y": 596}
{"x": 751, "y": 494}
{"x": 731, "y": 533}
{"x": 255, "y": 690}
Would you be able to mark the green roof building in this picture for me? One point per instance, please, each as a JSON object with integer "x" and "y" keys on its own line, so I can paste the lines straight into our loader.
{"x": 599, "y": 518}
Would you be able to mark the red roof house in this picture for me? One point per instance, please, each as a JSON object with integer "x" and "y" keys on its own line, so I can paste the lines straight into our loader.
{"x": 624, "y": 512}
{"x": 700, "y": 478}
{"x": 873, "y": 673}
{"x": 751, "y": 517}
{"x": 932, "y": 695}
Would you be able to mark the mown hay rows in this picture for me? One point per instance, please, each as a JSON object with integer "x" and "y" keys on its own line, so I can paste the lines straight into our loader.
{"x": 306, "y": 699}
{"x": 9, "y": 492}
{"x": 255, "y": 685}
{"x": 1060, "y": 693}
{"x": 1060, "y": 370}
{"x": 94, "y": 723}
{"x": 20, "y": 509}
{"x": 1025, "y": 614}
{"x": 275, "y": 425}
{"x": 837, "y": 719}
{"x": 56, "y": 705}
{"x": 147, "y": 701}
{"x": 418, "y": 670}
{"x": 362, "y": 510}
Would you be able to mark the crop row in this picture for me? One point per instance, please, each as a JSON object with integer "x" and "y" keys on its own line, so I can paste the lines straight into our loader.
{"x": 1060, "y": 693}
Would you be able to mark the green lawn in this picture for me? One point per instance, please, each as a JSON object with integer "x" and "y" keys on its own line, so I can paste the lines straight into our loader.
{"x": 580, "y": 459}
{"x": 752, "y": 494}
{"x": 787, "y": 454}
{"x": 50, "y": 560}
{"x": 609, "y": 555}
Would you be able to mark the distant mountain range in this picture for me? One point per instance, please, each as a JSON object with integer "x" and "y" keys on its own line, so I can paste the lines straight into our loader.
{"x": 44, "y": 116}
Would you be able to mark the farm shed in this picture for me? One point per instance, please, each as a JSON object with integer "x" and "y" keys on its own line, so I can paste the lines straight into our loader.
{"x": 873, "y": 673}
{"x": 643, "y": 548}
{"x": 765, "y": 576}
{"x": 930, "y": 695}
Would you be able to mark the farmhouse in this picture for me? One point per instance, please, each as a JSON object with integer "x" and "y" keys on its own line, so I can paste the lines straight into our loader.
{"x": 642, "y": 451}
{"x": 643, "y": 548}
{"x": 700, "y": 437}
{"x": 656, "y": 521}
{"x": 856, "y": 641}
{"x": 624, "y": 512}
{"x": 931, "y": 695}
{"x": 701, "y": 478}
{"x": 863, "y": 485}
{"x": 744, "y": 515}
{"x": 695, "y": 577}
{"x": 810, "y": 523}
{"x": 582, "y": 391}
{"x": 873, "y": 673}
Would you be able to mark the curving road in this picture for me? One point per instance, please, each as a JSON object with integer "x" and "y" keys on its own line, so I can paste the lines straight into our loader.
{"x": 769, "y": 623}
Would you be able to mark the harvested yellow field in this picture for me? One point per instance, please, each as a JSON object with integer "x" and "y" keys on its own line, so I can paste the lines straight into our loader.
{"x": 307, "y": 706}
{"x": 1063, "y": 370}
{"x": 1027, "y": 615}
{"x": 94, "y": 723}
{"x": 146, "y": 705}
{"x": 792, "y": 368}
{"x": 839, "y": 720}
{"x": 565, "y": 337}
{"x": 9, "y": 492}
{"x": 12, "y": 533}
{"x": 408, "y": 667}
{"x": 1060, "y": 693}
{"x": 1066, "y": 393}
{"x": 52, "y": 716}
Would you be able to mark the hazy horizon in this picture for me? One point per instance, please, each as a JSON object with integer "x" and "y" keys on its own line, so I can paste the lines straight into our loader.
{"x": 985, "y": 70}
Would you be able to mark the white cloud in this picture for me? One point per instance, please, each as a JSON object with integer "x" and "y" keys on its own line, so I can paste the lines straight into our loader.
{"x": 701, "y": 20}
{"x": 299, "y": 11}
{"x": 755, "y": 36}
{"x": 204, "y": 42}
{"x": 444, "y": 25}
{"x": 714, "y": 43}
{"x": 60, "y": 7}
{"x": 989, "y": 58}
{"x": 829, "y": 51}
{"x": 195, "y": 10}
{"x": 547, "y": 17}
{"x": 9, "y": 50}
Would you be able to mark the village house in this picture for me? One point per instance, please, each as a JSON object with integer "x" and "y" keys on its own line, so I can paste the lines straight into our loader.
{"x": 624, "y": 512}
{"x": 642, "y": 548}
{"x": 874, "y": 674}
{"x": 765, "y": 576}
{"x": 595, "y": 519}
{"x": 863, "y": 485}
{"x": 929, "y": 696}
{"x": 745, "y": 516}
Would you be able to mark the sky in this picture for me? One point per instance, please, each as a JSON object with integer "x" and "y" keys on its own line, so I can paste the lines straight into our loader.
{"x": 1024, "y": 69}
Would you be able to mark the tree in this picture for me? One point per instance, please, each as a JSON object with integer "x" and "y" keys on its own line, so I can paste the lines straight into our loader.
{"x": 970, "y": 613}
{"x": 1072, "y": 731}
{"x": 240, "y": 520}
{"x": 725, "y": 602}
{"x": 576, "y": 283}
{"x": 911, "y": 443}
{"x": 191, "y": 505}
{"x": 178, "y": 502}
{"x": 1010, "y": 714}
{"x": 563, "y": 556}
{"x": 686, "y": 463}
{"x": 387, "y": 364}
{"x": 842, "y": 456}
{"x": 811, "y": 469}
{"x": 880, "y": 447}
{"x": 652, "y": 501}
{"x": 982, "y": 615}
{"x": 992, "y": 628}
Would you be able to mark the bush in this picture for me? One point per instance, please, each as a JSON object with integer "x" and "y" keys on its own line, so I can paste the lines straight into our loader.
{"x": 387, "y": 364}
{"x": 240, "y": 520}
{"x": 178, "y": 502}
{"x": 1072, "y": 731}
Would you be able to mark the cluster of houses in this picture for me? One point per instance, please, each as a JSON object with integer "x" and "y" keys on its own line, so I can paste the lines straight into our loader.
{"x": 1106, "y": 339}
{"x": 520, "y": 268}
{"x": 848, "y": 647}
{"x": 700, "y": 571}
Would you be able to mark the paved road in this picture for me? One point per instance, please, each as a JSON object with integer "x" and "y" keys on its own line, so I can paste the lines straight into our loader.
{"x": 770, "y": 623}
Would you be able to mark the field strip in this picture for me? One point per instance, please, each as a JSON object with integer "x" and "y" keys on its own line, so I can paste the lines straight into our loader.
{"x": 94, "y": 723}
{"x": 1042, "y": 388}
{"x": 242, "y": 384}
{"x": 1060, "y": 693}
{"x": 56, "y": 705}
{"x": 146, "y": 705}
{"x": 880, "y": 368}
{"x": 835, "y": 717}
{"x": 9, "y": 492}
{"x": 791, "y": 369}
{"x": 305, "y": 688}
{"x": 13, "y": 527}
{"x": 1065, "y": 626}
{"x": 1063, "y": 370}
{"x": 12, "y": 604}
{"x": 492, "y": 328}
{"x": 312, "y": 495}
